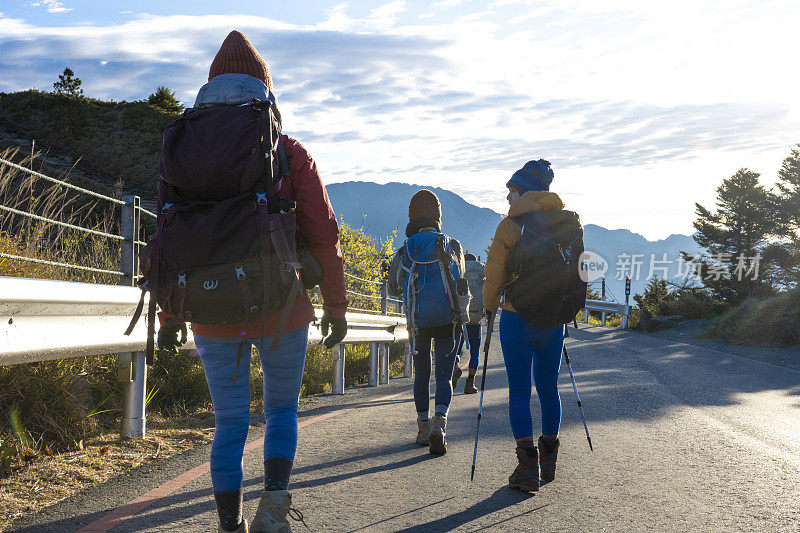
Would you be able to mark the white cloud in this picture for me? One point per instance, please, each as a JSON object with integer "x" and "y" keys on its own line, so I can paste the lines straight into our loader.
{"x": 51, "y": 6}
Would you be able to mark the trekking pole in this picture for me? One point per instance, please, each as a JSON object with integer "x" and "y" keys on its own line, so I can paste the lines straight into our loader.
{"x": 574, "y": 386}
{"x": 489, "y": 328}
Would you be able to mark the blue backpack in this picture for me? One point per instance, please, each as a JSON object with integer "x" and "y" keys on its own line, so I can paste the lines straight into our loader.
{"x": 434, "y": 290}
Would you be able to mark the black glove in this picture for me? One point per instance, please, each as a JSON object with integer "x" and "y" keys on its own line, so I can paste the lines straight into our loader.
{"x": 338, "y": 329}
{"x": 168, "y": 337}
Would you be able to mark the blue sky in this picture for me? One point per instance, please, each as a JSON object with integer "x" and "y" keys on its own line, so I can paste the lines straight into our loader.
{"x": 642, "y": 107}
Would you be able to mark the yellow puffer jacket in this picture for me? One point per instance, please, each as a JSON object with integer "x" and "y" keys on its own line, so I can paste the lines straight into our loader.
{"x": 507, "y": 234}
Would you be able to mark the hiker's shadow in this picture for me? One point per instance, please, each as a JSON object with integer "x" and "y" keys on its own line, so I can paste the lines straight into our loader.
{"x": 502, "y": 498}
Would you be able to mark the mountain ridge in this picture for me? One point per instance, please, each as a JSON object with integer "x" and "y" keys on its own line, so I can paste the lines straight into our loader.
{"x": 383, "y": 208}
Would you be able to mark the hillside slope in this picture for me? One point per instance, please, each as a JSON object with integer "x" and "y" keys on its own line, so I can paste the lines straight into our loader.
{"x": 113, "y": 140}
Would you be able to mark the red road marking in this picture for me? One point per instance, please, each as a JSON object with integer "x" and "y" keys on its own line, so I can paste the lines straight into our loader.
{"x": 134, "y": 507}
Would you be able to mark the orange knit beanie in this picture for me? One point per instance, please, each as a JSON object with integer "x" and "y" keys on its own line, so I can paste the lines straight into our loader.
{"x": 238, "y": 56}
{"x": 425, "y": 204}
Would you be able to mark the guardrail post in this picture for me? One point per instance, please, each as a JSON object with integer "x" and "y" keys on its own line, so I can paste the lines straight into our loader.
{"x": 409, "y": 361}
{"x": 384, "y": 363}
{"x": 133, "y": 398}
{"x": 604, "y": 299}
{"x": 338, "y": 371}
{"x": 384, "y": 297}
{"x": 132, "y": 370}
{"x": 130, "y": 224}
{"x": 373, "y": 364}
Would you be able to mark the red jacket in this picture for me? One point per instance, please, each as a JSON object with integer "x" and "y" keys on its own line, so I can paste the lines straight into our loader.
{"x": 317, "y": 223}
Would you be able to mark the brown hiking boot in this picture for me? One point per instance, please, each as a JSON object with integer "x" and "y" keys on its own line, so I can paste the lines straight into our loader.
{"x": 469, "y": 386}
{"x": 526, "y": 476}
{"x": 423, "y": 430}
{"x": 548, "y": 453}
{"x": 438, "y": 444}
{"x": 271, "y": 514}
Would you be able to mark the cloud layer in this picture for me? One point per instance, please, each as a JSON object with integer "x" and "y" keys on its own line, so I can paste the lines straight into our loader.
{"x": 460, "y": 98}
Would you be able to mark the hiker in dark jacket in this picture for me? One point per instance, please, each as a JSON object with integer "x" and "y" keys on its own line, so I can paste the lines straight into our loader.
{"x": 475, "y": 275}
{"x": 527, "y": 347}
{"x": 425, "y": 219}
{"x": 238, "y": 75}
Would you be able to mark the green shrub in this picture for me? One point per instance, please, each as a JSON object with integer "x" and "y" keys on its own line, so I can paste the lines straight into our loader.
{"x": 763, "y": 322}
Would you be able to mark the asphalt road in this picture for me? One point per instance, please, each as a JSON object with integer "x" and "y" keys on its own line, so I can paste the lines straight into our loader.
{"x": 686, "y": 439}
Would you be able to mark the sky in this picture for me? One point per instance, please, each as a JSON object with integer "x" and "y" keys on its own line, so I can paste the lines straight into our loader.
{"x": 643, "y": 108}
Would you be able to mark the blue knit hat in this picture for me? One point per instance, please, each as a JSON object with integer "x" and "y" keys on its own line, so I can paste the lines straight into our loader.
{"x": 534, "y": 176}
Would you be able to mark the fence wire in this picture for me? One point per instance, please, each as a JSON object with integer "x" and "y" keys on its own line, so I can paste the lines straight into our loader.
{"x": 56, "y": 263}
{"x": 59, "y": 223}
{"x": 60, "y": 182}
{"x": 362, "y": 279}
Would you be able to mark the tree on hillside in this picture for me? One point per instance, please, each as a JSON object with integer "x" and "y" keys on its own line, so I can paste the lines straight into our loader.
{"x": 166, "y": 99}
{"x": 735, "y": 238}
{"x": 788, "y": 252}
{"x": 68, "y": 84}
{"x": 656, "y": 297}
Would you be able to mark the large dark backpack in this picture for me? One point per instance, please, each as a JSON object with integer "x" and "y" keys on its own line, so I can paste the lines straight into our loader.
{"x": 544, "y": 266}
{"x": 226, "y": 248}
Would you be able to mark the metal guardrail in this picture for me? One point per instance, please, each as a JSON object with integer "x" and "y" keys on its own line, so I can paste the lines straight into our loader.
{"x": 608, "y": 307}
{"x": 42, "y": 320}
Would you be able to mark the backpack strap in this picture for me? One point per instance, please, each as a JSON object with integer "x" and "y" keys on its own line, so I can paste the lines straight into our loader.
{"x": 448, "y": 282}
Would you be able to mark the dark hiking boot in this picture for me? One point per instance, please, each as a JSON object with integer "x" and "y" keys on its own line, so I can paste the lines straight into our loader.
{"x": 469, "y": 386}
{"x": 423, "y": 430}
{"x": 438, "y": 444}
{"x": 548, "y": 453}
{"x": 456, "y": 374}
{"x": 526, "y": 476}
{"x": 241, "y": 529}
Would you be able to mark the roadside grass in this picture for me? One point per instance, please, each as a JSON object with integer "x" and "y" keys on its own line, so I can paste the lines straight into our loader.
{"x": 761, "y": 322}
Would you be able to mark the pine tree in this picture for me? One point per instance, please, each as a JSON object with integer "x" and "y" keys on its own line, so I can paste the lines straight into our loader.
{"x": 656, "y": 297}
{"x": 68, "y": 84}
{"x": 166, "y": 99}
{"x": 745, "y": 218}
{"x": 786, "y": 254}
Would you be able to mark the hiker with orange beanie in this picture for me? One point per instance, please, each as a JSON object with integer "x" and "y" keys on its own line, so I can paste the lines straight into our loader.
{"x": 245, "y": 286}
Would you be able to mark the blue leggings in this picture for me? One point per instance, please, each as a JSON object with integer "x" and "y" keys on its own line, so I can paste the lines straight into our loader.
{"x": 283, "y": 375}
{"x": 525, "y": 345}
{"x": 444, "y": 350}
{"x": 474, "y": 334}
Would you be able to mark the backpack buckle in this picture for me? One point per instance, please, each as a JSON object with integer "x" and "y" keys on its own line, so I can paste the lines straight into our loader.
{"x": 182, "y": 280}
{"x": 166, "y": 208}
{"x": 240, "y": 273}
{"x": 261, "y": 198}
{"x": 287, "y": 267}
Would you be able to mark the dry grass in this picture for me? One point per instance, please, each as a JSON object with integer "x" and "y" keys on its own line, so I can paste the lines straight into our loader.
{"x": 51, "y": 478}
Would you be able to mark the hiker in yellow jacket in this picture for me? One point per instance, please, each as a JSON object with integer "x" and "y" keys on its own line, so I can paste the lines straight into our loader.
{"x": 528, "y": 350}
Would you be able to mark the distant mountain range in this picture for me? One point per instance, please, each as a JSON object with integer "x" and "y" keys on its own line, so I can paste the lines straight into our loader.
{"x": 382, "y": 209}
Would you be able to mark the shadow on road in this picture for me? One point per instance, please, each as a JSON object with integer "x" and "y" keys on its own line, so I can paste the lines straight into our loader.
{"x": 501, "y": 499}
